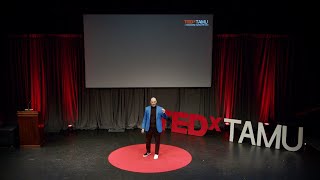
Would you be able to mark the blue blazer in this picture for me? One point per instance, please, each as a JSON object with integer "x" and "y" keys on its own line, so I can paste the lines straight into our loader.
{"x": 146, "y": 118}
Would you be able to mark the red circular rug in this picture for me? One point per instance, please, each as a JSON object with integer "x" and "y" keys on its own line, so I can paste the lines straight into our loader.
{"x": 130, "y": 158}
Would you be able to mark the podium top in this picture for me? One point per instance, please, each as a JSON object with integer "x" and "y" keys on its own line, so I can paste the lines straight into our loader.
{"x": 27, "y": 113}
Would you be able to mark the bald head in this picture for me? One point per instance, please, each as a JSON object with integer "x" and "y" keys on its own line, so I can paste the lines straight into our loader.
{"x": 153, "y": 102}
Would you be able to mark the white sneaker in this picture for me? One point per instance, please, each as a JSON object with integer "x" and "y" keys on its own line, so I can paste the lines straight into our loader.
{"x": 146, "y": 154}
{"x": 156, "y": 156}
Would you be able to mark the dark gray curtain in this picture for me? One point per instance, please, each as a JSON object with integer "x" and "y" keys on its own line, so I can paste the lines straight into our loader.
{"x": 124, "y": 108}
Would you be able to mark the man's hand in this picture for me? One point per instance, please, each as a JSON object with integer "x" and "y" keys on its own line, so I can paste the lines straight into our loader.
{"x": 142, "y": 131}
{"x": 163, "y": 111}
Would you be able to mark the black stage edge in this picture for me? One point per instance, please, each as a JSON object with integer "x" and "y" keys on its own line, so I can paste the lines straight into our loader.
{"x": 82, "y": 154}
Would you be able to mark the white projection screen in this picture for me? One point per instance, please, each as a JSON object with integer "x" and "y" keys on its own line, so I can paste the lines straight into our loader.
{"x": 148, "y": 50}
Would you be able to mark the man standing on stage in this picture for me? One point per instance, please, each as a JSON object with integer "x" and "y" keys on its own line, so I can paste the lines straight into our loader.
{"x": 152, "y": 124}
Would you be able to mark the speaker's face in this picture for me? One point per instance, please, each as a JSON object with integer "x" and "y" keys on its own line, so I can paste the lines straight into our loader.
{"x": 153, "y": 102}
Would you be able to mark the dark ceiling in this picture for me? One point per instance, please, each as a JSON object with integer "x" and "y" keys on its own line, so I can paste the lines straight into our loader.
{"x": 229, "y": 16}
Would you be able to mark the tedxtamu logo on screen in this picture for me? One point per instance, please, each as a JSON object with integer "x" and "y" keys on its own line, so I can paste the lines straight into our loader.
{"x": 203, "y": 22}
{"x": 180, "y": 120}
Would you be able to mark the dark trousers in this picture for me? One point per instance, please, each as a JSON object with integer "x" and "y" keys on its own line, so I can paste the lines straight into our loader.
{"x": 153, "y": 132}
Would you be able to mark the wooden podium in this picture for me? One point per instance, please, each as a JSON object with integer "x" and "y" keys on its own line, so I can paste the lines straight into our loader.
{"x": 31, "y": 128}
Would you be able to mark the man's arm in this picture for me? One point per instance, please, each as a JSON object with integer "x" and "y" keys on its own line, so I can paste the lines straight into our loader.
{"x": 164, "y": 115}
{"x": 143, "y": 125}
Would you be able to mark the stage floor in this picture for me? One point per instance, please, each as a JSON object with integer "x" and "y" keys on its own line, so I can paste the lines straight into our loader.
{"x": 84, "y": 155}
